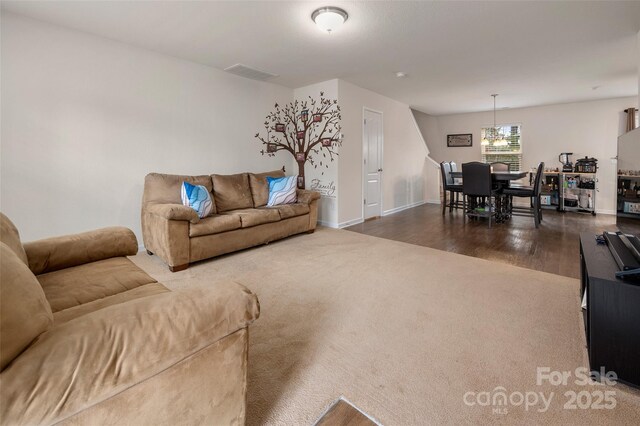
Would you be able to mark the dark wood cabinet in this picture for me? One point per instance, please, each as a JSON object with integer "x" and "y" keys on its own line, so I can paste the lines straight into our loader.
{"x": 612, "y": 314}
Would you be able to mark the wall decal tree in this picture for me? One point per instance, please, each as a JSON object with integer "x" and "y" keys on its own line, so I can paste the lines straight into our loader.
{"x": 309, "y": 130}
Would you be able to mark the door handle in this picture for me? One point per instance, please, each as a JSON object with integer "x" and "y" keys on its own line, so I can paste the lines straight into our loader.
{"x": 379, "y": 170}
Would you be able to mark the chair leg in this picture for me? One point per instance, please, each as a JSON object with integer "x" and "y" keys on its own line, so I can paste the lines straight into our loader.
{"x": 540, "y": 213}
{"x": 536, "y": 211}
{"x": 464, "y": 207}
{"x": 444, "y": 201}
{"x": 540, "y": 208}
{"x": 490, "y": 212}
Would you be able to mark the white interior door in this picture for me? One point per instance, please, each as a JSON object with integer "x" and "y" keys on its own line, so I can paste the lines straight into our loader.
{"x": 372, "y": 163}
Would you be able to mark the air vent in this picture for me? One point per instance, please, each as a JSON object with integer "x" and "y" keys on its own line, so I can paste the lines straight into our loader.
{"x": 246, "y": 72}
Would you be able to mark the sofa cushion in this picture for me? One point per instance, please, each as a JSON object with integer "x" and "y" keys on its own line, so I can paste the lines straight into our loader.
{"x": 215, "y": 224}
{"x": 92, "y": 281}
{"x": 74, "y": 312}
{"x": 260, "y": 187}
{"x": 10, "y": 236}
{"x": 232, "y": 192}
{"x": 253, "y": 217}
{"x": 78, "y": 366}
{"x": 198, "y": 198}
{"x": 165, "y": 189}
{"x": 24, "y": 311}
{"x": 291, "y": 210}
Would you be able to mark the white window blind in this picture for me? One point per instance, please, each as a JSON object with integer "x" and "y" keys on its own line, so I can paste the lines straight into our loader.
{"x": 511, "y": 153}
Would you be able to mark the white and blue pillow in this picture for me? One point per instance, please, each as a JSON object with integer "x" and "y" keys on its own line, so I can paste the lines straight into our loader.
{"x": 282, "y": 190}
{"x": 197, "y": 197}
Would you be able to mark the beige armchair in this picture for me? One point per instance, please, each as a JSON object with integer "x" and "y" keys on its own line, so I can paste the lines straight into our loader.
{"x": 89, "y": 338}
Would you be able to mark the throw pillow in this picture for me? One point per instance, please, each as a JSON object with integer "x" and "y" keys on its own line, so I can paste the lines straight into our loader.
{"x": 282, "y": 190}
{"x": 197, "y": 197}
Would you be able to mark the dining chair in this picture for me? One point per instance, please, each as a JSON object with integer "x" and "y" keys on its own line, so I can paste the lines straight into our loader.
{"x": 499, "y": 167}
{"x": 531, "y": 192}
{"x": 448, "y": 185}
{"x": 454, "y": 168}
{"x": 477, "y": 187}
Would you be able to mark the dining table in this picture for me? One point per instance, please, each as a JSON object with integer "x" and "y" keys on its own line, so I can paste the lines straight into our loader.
{"x": 502, "y": 213}
{"x": 498, "y": 175}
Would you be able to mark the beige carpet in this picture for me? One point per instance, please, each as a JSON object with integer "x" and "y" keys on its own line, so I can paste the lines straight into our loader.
{"x": 403, "y": 332}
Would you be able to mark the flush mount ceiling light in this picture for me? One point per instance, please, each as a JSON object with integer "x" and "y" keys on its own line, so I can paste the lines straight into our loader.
{"x": 329, "y": 18}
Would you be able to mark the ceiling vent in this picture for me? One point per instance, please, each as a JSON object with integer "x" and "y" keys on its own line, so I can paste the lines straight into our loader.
{"x": 246, "y": 72}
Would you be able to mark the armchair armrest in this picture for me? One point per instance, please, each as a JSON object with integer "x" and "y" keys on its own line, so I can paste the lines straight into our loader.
{"x": 56, "y": 253}
{"x": 85, "y": 361}
{"x": 173, "y": 212}
{"x": 305, "y": 196}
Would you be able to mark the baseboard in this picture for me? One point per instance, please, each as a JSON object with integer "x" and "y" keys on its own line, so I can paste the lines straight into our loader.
{"x": 401, "y": 208}
{"x": 603, "y": 211}
{"x": 328, "y": 224}
{"x": 350, "y": 222}
{"x": 438, "y": 201}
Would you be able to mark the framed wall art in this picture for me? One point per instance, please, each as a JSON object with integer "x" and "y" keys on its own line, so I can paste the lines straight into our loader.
{"x": 463, "y": 139}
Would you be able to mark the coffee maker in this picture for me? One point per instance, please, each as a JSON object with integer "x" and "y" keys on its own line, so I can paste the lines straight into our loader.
{"x": 567, "y": 165}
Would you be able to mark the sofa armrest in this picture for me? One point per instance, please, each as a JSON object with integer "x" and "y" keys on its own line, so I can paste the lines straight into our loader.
{"x": 56, "y": 253}
{"x": 173, "y": 212}
{"x": 87, "y": 360}
{"x": 306, "y": 197}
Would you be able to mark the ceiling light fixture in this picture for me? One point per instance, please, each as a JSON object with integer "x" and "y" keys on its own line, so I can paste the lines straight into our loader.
{"x": 329, "y": 18}
{"x": 401, "y": 74}
{"x": 495, "y": 136}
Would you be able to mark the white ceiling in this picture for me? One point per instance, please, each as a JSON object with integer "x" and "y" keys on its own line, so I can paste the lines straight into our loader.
{"x": 455, "y": 53}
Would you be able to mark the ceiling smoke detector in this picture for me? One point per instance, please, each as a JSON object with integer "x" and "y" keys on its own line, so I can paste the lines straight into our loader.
{"x": 329, "y": 18}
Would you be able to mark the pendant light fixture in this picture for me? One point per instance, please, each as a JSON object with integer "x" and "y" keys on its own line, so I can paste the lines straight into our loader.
{"x": 495, "y": 137}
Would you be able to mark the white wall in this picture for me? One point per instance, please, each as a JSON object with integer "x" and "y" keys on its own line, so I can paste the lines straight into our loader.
{"x": 405, "y": 160}
{"x": 584, "y": 128}
{"x": 328, "y": 207}
{"x": 84, "y": 119}
{"x": 629, "y": 151}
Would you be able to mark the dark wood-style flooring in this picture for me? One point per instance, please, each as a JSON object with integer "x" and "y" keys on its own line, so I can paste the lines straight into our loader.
{"x": 554, "y": 247}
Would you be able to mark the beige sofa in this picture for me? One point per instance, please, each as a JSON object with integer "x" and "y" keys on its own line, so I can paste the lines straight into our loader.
{"x": 240, "y": 217}
{"x": 86, "y": 337}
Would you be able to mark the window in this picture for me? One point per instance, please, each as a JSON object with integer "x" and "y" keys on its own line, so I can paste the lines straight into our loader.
{"x": 509, "y": 152}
